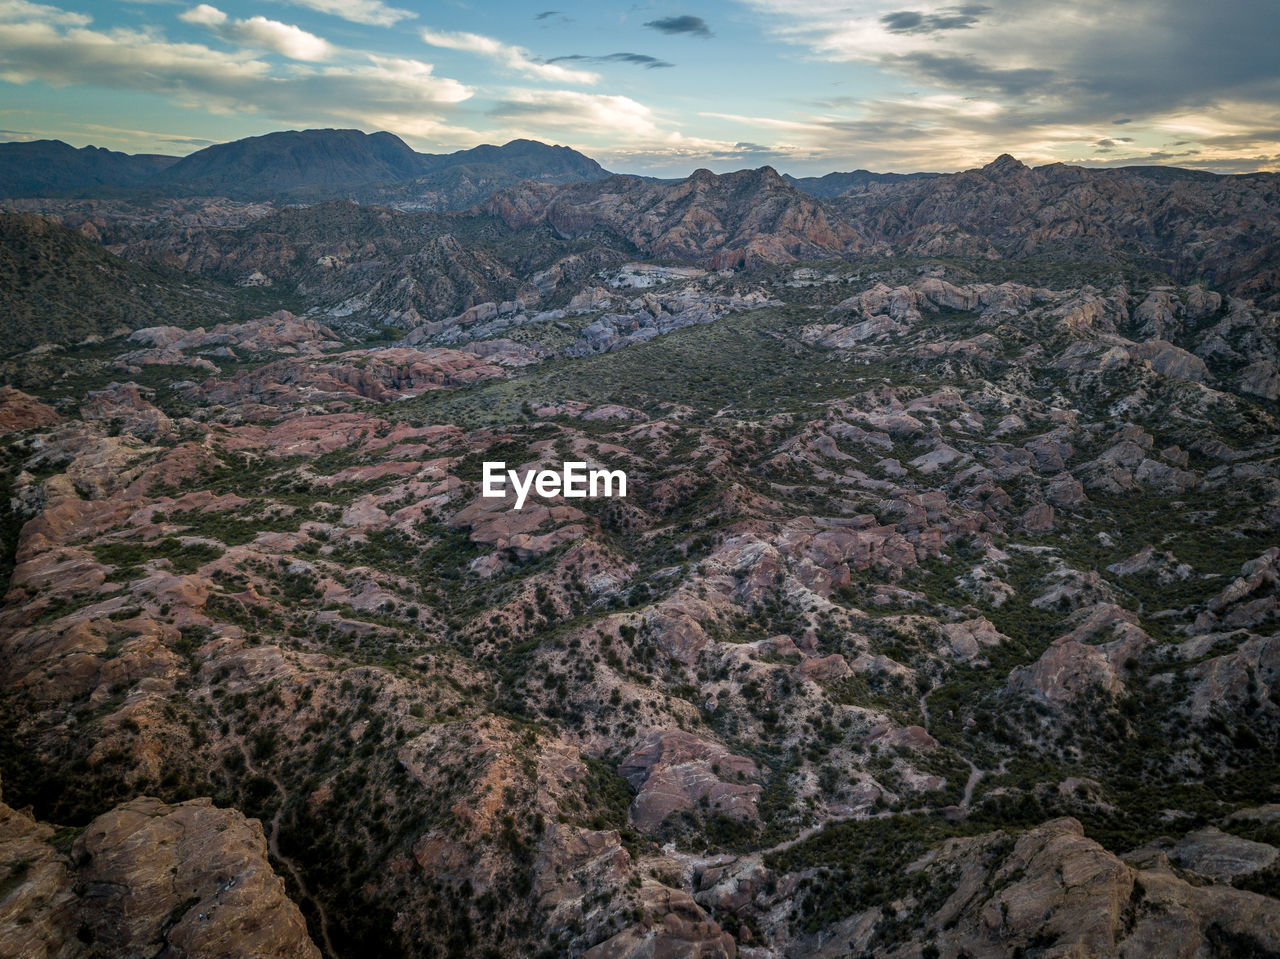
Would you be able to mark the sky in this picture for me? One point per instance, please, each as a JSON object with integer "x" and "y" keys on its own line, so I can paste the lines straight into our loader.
{"x": 662, "y": 88}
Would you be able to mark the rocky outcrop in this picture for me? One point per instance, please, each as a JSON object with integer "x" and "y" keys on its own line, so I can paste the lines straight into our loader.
{"x": 1169, "y": 360}
{"x": 18, "y": 411}
{"x": 147, "y": 879}
{"x": 280, "y": 332}
{"x": 1251, "y": 600}
{"x": 675, "y": 771}
{"x": 739, "y": 219}
{"x": 675, "y": 927}
{"x": 1217, "y": 854}
{"x": 1066, "y": 671}
{"x": 383, "y": 375}
{"x": 968, "y": 637}
{"x": 123, "y": 408}
{"x": 1064, "y": 893}
{"x": 656, "y": 316}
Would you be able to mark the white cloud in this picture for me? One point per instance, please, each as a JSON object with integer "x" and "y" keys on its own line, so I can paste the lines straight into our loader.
{"x": 372, "y": 12}
{"x": 367, "y": 91}
{"x": 204, "y": 16}
{"x": 22, "y": 10}
{"x": 1045, "y": 82}
{"x": 514, "y": 58}
{"x": 283, "y": 38}
{"x": 532, "y": 112}
{"x": 119, "y": 58}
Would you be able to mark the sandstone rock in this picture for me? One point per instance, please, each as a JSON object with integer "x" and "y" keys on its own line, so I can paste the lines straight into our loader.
{"x": 676, "y": 928}
{"x": 1066, "y": 490}
{"x": 1068, "y": 895}
{"x": 572, "y": 862}
{"x": 967, "y": 638}
{"x": 148, "y": 879}
{"x": 1165, "y": 565}
{"x": 390, "y": 374}
{"x": 1219, "y": 855}
{"x": 1159, "y": 315}
{"x": 124, "y": 409}
{"x": 825, "y": 669}
{"x": 1065, "y": 672}
{"x": 942, "y": 456}
{"x": 675, "y": 770}
{"x": 1038, "y": 519}
{"x": 590, "y": 300}
{"x": 144, "y": 864}
{"x": 1237, "y": 677}
{"x": 1251, "y": 600}
{"x": 1261, "y": 378}
{"x": 943, "y": 294}
{"x": 39, "y": 911}
{"x": 910, "y": 737}
{"x": 18, "y": 411}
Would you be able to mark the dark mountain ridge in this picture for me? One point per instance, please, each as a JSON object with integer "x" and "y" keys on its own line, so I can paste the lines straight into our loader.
{"x": 836, "y": 184}
{"x": 45, "y": 167}
{"x": 289, "y": 161}
{"x": 294, "y": 165}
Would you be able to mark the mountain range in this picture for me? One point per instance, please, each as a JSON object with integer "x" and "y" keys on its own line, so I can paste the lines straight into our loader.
{"x": 317, "y": 164}
{"x": 54, "y": 168}
{"x": 1188, "y": 225}
{"x": 477, "y": 226}
{"x": 293, "y": 165}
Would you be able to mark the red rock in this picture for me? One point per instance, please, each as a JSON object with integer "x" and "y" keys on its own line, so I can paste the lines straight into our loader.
{"x": 18, "y": 411}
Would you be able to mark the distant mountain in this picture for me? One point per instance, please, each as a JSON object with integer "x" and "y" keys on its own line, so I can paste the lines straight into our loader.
{"x": 292, "y": 162}
{"x": 296, "y": 165}
{"x": 454, "y": 181}
{"x": 837, "y": 184}
{"x": 51, "y": 167}
{"x": 527, "y": 159}
{"x": 56, "y": 286}
{"x": 1190, "y": 226}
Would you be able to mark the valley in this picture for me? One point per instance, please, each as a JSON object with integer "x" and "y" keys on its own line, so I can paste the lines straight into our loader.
{"x": 941, "y": 616}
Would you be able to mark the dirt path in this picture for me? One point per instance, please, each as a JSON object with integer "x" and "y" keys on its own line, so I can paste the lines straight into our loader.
{"x": 975, "y": 775}
{"x": 273, "y": 846}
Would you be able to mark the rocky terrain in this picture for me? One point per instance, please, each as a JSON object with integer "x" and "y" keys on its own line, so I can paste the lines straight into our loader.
{"x": 941, "y": 618}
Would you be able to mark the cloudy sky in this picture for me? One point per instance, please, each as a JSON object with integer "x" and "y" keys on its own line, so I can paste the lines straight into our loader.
{"x": 808, "y": 86}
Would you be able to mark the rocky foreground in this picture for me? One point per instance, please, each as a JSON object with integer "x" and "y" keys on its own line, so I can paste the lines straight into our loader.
{"x": 942, "y": 619}
{"x": 146, "y": 879}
